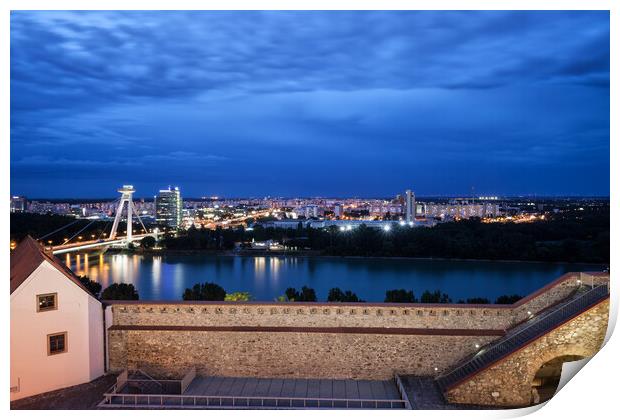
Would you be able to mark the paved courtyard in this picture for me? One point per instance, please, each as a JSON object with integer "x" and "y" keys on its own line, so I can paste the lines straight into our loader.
{"x": 298, "y": 388}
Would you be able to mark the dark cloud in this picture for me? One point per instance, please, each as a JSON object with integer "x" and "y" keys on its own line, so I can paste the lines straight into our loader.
{"x": 202, "y": 97}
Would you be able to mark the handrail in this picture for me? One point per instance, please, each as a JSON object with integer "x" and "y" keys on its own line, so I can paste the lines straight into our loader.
{"x": 121, "y": 380}
{"x": 157, "y": 400}
{"x": 147, "y": 375}
{"x": 510, "y": 342}
{"x": 402, "y": 392}
{"x": 187, "y": 379}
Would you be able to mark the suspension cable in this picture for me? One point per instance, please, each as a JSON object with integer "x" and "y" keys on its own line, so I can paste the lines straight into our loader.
{"x": 79, "y": 231}
{"x": 58, "y": 230}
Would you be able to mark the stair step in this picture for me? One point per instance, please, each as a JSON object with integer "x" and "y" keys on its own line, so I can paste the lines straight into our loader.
{"x": 542, "y": 323}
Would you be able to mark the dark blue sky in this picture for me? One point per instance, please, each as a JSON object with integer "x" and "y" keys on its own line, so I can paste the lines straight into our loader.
{"x": 310, "y": 103}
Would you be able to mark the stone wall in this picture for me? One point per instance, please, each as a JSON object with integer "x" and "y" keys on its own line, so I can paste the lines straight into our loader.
{"x": 448, "y": 316}
{"x": 286, "y": 354}
{"x": 313, "y": 315}
{"x": 343, "y": 340}
{"x": 554, "y": 292}
{"x": 509, "y": 381}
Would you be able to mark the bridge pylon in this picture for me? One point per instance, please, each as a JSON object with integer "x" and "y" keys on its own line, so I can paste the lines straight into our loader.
{"x": 126, "y": 197}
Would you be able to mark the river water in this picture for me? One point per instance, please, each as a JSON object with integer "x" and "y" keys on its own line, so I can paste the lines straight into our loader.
{"x": 166, "y": 277}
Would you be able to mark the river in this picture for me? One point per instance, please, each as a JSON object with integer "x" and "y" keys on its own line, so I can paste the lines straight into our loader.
{"x": 166, "y": 277}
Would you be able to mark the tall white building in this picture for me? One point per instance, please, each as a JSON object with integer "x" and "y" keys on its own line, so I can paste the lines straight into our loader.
{"x": 169, "y": 207}
{"x": 410, "y": 206}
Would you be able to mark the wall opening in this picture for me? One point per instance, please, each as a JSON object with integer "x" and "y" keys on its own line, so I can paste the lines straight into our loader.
{"x": 547, "y": 378}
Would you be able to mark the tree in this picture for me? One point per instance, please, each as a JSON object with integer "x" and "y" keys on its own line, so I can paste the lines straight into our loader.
{"x": 478, "y": 300}
{"x": 435, "y": 297}
{"x": 400, "y": 296}
{"x": 507, "y": 299}
{"x": 92, "y": 286}
{"x": 238, "y": 297}
{"x": 205, "y": 291}
{"x": 120, "y": 291}
{"x": 307, "y": 294}
{"x": 291, "y": 294}
{"x": 147, "y": 242}
{"x": 337, "y": 295}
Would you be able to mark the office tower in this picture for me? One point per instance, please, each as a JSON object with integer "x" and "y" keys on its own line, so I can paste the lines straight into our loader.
{"x": 168, "y": 207}
{"x": 410, "y": 206}
{"x": 18, "y": 204}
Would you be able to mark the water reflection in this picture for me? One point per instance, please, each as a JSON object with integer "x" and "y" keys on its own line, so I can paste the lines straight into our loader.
{"x": 156, "y": 272}
{"x": 259, "y": 271}
{"x": 265, "y": 278}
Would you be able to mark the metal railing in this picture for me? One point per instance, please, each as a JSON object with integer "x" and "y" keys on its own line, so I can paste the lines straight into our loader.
{"x": 402, "y": 392}
{"x": 112, "y": 400}
{"x": 149, "y": 386}
{"x": 188, "y": 379}
{"x": 522, "y": 336}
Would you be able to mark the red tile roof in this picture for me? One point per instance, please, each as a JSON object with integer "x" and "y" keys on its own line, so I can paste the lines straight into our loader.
{"x": 27, "y": 256}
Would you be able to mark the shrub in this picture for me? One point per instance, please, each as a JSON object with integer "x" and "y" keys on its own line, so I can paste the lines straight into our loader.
{"x": 478, "y": 300}
{"x": 435, "y": 297}
{"x": 507, "y": 299}
{"x": 337, "y": 295}
{"x": 238, "y": 297}
{"x": 120, "y": 291}
{"x": 400, "y": 296}
{"x": 307, "y": 294}
{"x": 205, "y": 291}
{"x": 92, "y": 286}
{"x": 147, "y": 242}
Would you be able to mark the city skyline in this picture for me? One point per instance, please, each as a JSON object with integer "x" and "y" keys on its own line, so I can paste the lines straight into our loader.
{"x": 362, "y": 104}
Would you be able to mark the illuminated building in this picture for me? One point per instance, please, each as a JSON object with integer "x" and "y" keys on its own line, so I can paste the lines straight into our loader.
{"x": 410, "y": 206}
{"x": 168, "y": 207}
{"x": 18, "y": 204}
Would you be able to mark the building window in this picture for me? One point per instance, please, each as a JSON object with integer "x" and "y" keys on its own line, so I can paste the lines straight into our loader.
{"x": 56, "y": 343}
{"x": 47, "y": 302}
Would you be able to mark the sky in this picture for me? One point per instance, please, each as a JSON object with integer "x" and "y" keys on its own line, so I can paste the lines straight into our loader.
{"x": 334, "y": 104}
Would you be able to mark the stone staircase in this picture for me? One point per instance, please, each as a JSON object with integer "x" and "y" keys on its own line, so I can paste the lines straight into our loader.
{"x": 522, "y": 334}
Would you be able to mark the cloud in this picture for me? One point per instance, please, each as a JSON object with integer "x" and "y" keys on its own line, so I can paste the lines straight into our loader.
{"x": 194, "y": 94}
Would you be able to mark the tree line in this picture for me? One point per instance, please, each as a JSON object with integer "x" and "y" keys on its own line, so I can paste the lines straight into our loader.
{"x": 570, "y": 238}
{"x": 214, "y": 292}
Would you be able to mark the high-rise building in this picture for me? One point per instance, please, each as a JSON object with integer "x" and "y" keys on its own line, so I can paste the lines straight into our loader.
{"x": 338, "y": 210}
{"x": 168, "y": 207}
{"x": 410, "y": 206}
{"x": 18, "y": 204}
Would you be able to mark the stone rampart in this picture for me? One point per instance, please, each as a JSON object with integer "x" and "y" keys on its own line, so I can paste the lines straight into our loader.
{"x": 337, "y": 340}
{"x": 509, "y": 381}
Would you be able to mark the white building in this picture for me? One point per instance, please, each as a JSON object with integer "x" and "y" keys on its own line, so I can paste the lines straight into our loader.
{"x": 410, "y": 206}
{"x": 338, "y": 210}
{"x": 57, "y": 334}
{"x": 311, "y": 210}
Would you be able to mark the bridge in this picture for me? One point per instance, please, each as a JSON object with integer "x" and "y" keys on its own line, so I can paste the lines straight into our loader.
{"x": 79, "y": 246}
{"x": 112, "y": 239}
